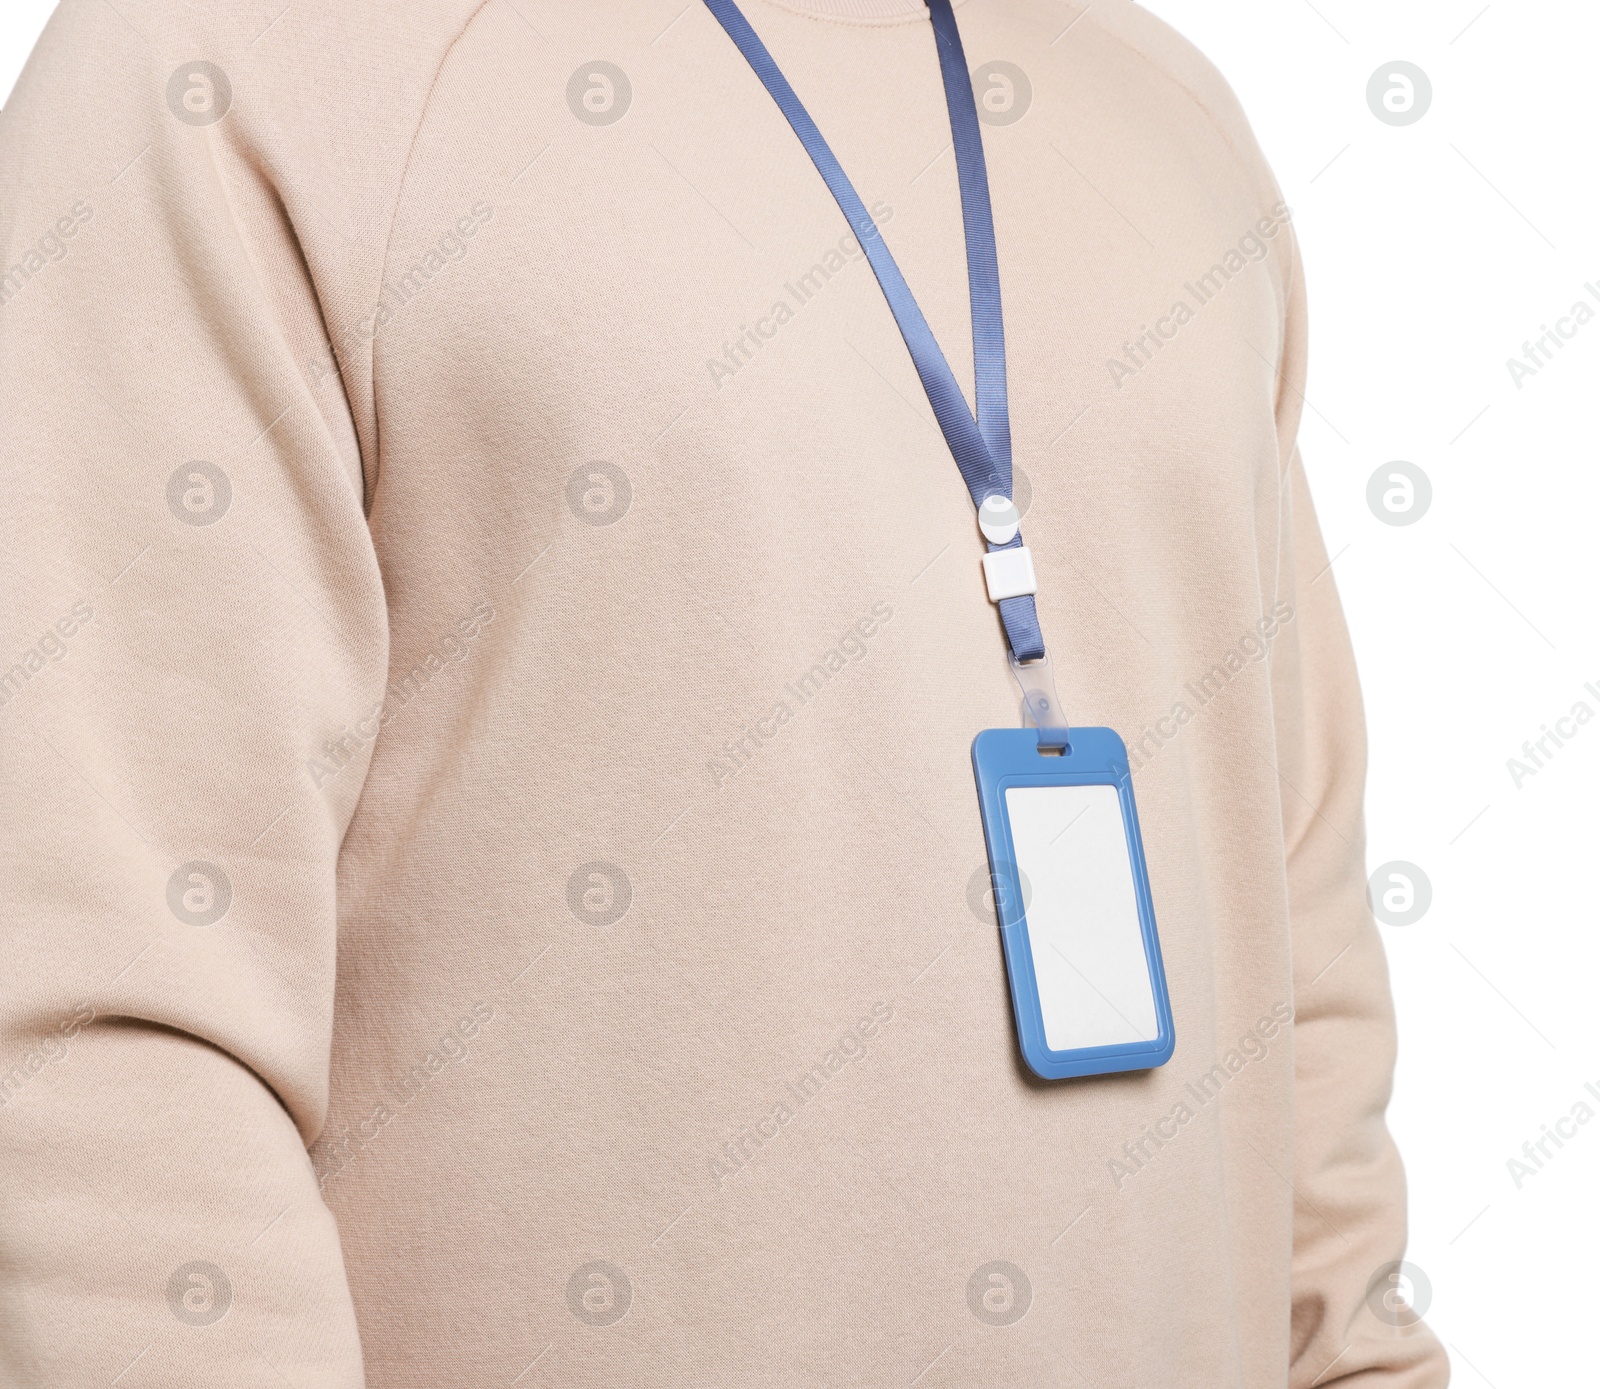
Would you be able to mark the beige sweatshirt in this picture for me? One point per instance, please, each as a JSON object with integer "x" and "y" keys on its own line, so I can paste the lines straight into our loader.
{"x": 494, "y": 890}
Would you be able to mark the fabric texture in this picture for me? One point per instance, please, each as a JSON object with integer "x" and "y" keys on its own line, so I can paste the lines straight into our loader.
{"x": 490, "y": 641}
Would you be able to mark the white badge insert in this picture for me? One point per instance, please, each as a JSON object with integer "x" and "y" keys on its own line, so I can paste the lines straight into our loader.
{"x": 1084, "y": 933}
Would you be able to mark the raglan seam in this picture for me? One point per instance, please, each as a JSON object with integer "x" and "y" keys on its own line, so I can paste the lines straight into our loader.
{"x": 370, "y": 483}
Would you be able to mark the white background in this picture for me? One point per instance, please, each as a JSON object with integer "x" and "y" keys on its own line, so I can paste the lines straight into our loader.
{"x": 1435, "y": 251}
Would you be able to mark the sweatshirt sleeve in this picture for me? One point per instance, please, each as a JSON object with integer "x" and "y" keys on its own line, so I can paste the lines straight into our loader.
{"x": 190, "y": 608}
{"x": 1349, "y": 1189}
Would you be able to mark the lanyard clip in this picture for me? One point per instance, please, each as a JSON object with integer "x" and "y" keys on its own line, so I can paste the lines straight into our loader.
{"x": 1041, "y": 706}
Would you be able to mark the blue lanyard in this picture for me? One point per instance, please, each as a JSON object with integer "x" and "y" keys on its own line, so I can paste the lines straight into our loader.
{"x": 981, "y": 446}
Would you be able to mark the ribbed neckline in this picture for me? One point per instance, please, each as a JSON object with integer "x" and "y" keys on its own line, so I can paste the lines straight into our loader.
{"x": 857, "y": 11}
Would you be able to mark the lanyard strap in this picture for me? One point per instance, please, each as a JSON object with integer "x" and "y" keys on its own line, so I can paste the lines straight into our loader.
{"x": 981, "y": 445}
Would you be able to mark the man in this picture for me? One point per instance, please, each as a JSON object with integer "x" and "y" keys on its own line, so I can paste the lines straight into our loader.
{"x": 496, "y": 894}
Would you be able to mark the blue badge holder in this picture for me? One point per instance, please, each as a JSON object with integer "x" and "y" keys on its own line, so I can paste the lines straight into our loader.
{"x": 1077, "y": 878}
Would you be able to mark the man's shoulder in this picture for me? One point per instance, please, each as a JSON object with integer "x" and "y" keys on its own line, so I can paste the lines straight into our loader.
{"x": 320, "y": 101}
{"x": 275, "y": 61}
{"x": 1177, "y": 60}
{"x": 272, "y": 30}
{"x": 1146, "y": 59}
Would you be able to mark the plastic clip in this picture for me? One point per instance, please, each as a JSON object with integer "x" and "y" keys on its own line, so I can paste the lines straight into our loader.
{"x": 1041, "y": 706}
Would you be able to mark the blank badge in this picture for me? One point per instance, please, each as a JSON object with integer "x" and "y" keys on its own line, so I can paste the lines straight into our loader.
{"x": 1073, "y": 900}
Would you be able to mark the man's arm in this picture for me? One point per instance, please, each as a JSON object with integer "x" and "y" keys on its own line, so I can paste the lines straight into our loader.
{"x": 1349, "y": 1189}
{"x": 190, "y": 610}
